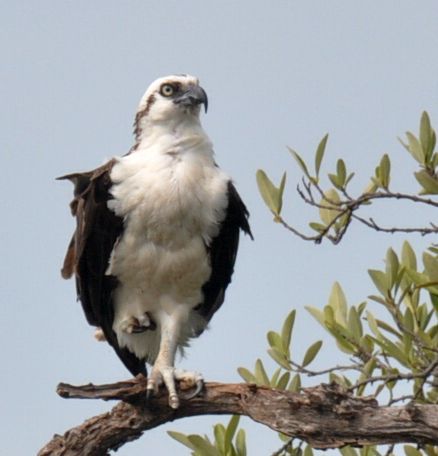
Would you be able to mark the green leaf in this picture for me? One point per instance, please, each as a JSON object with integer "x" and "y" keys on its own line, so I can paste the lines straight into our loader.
{"x": 434, "y": 301}
{"x": 428, "y": 182}
{"x": 408, "y": 257}
{"x": 372, "y": 323}
{"x": 385, "y": 171}
{"x": 341, "y": 170}
{"x": 308, "y": 451}
{"x": 295, "y": 384}
{"x": 272, "y": 196}
{"x": 275, "y": 340}
{"x": 279, "y": 358}
{"x": 335, "y": 180}
{"x": 181, "y": 438}
{"x": 330, "y": 200}
{"x": 411, "y": 451}
{"x": 311, "y": 353}
{"x": 349, "y": 177}
{"x": 343, "y": 337}
{"x": 414, "y": 148}
{"x": 318, "y": 227}
{"x": 370, "y": 188}
{"x": 388, "y": 328}
{"x": 300, "y": 162}
{"x": 219, "y": 436}
{"x": 202, "y": 445}
{"x": 340, "y": 379}
{"x": 392, "y": 267}
{"x": 283, "y": 381}
{"x": 286, "y": 330}
{"x": 338, "y": 303}
{"x": 427, "y": 136}
{"x": 431, "y": 266}
{"x": 231, "y": 430}
{"x": 320, "y": 154}
{"x": 418, "y": 278}
{"x": 281, "y": 189}
{"x": 354, "y": 324}
{"x": 329, "y": 316}
{"x": 393, "y": 350}
{"x": 378, "y": 299}
{"x": 380, "y": 280}
{"x": 241, "y": 443}
{"x": 274, "y": 379}
{"x": 369, "y": 367}
{"x": 361, "y": 307}
{"x": 246, "y": 375}
{"x": 316, "y": 313}
{"x": 260, "y": 374}
{"x": 367, "y": 344}
{"x": 348, "y": 451}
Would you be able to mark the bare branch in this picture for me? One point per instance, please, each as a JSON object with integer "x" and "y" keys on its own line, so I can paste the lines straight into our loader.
{"x": 325, "y": 416}
{"x": 423, "y": 375}
{"x": 372, "y": 224}
{"x": 348, "y": 207}
{"x": 311, "y": 373}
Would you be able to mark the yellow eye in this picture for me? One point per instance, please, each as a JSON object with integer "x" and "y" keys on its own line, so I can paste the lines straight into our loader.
{"x": 167, "y": 90}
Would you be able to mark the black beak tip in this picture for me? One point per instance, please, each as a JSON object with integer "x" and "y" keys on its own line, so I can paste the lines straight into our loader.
{"x": 194, "y": 96}
{"x": 202, "y": 97}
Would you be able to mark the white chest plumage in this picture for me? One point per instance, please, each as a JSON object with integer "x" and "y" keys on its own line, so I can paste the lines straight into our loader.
{"x": 172, "y": 198}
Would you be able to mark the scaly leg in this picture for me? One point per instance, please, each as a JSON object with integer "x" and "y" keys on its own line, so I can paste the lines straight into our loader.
{"x": 164, "y": 370}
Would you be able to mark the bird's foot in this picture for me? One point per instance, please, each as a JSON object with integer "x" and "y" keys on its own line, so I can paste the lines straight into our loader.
{"x": 167, "y": 375}
{"x": 133, "y": 325}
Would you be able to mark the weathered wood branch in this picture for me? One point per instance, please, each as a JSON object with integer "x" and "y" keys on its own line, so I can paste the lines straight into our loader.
{"x": 325, "y": 416}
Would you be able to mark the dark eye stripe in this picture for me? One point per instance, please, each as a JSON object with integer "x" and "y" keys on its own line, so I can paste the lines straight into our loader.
{"x": 174, "y": 87}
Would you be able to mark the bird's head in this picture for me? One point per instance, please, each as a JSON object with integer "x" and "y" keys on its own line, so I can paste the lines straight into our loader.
{"x": 170, "y": 100}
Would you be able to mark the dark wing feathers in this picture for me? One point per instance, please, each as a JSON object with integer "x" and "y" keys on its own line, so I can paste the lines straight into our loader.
{"x": 223, "y": 251}
{"x": 89, "y": 251}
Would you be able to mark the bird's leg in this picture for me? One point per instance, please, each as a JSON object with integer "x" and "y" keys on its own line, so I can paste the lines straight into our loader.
{"x": 164, "y": 370}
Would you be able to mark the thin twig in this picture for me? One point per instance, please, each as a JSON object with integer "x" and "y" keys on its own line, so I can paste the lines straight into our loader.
{"x": 394, "y": 377}
{"x": 286, "y": 446}
{"x": 348, "y": 207}
{"x": 302, "y": 370}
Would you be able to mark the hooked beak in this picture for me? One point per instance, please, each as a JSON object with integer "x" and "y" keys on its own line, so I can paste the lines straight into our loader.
{"x": 193, "y": 96}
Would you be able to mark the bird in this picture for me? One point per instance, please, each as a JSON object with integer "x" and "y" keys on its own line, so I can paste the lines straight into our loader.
{"x": 156, "y": 237}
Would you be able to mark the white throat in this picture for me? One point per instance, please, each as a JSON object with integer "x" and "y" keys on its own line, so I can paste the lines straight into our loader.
{"x": 174, "y": 136}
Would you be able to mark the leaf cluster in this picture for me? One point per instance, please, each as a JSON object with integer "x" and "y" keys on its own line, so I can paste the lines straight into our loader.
{"x": 227, "y": 441}
{"x": 337, "y": 206}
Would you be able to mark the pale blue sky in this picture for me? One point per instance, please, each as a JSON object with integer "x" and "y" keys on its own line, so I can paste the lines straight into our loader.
{"x": 277, "y": 73}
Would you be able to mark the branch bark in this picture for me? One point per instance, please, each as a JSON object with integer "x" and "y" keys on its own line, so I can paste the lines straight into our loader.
{"x": 325, "y": 416}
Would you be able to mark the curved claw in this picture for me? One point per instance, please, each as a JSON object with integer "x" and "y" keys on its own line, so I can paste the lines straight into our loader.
{"x": 196, "y": 392}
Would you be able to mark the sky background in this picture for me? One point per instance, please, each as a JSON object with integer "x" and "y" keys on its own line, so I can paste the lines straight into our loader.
{"x": 277, "y": 73}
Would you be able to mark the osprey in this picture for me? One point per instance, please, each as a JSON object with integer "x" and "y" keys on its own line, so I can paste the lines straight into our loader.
{"x": 156, "y": 237}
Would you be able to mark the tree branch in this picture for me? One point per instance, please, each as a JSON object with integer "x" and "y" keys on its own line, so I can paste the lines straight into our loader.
{"x": 325, "y": 416}
{"x": 346, "y": 212}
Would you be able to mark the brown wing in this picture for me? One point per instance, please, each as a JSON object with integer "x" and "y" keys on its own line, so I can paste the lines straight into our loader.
{"x": 223, "y": 251}
{"x": 89, "y": 251}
